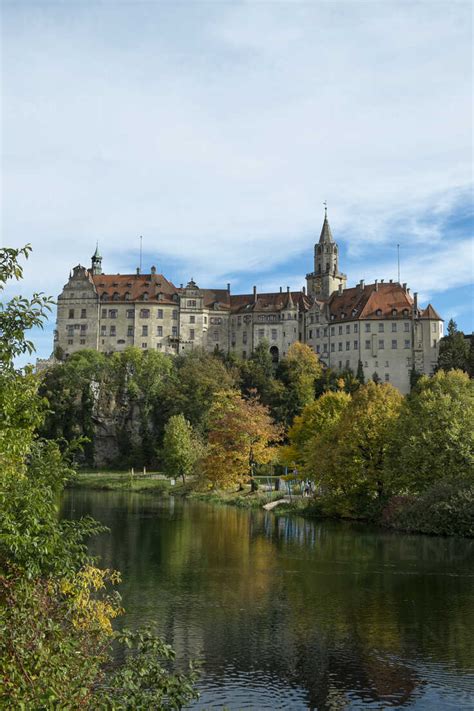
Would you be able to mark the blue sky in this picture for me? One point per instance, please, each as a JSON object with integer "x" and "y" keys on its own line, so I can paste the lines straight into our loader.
{"x": 217, "y": 130}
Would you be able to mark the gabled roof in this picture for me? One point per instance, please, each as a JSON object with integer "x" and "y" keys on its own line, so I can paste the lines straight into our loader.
{"x": 135, "y": 285}
{"x": 430, "y": 313}
{"x": 269, "y": 302}
{"x": 377, "y": 301}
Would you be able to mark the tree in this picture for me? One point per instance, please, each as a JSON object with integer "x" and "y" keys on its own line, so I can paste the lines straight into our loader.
{"x": 241, "y": 436}
{"x": 316, "y": 418}
{"x": 453, "y": 349}
{"x": 360, "y": 372}
{"x": 298, "y": 372}
{"x": 434, "y": 438}
{"x": 258, "y": 373}
{"x": 349, "y": 455}
{"x": 181, "y": 448}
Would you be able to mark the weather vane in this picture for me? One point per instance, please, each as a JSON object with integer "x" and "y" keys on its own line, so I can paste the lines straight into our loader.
{"x": 325, "y": 203}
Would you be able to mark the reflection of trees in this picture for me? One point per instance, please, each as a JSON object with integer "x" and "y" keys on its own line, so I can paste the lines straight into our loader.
{"x": 331, "y": 608}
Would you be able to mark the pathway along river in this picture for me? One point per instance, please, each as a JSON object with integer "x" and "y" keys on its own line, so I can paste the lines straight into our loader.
{"x": 287, "y": 613}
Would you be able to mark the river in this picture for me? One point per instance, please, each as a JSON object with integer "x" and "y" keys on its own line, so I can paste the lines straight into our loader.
{"x": 286, "y": 613}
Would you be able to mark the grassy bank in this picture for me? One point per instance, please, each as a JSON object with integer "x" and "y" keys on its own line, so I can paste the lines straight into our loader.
{"x": 121, "y": 481}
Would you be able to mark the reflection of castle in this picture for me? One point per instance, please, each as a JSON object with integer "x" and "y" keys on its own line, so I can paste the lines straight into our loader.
{"x": 378, "y": 324}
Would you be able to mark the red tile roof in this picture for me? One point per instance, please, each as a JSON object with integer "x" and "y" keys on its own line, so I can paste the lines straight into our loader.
{"x": 135, "y": 285}
{"x": 384, "y": 300}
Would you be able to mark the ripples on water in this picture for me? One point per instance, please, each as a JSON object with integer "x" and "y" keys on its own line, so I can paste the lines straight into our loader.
{"x": 286, "y": 613}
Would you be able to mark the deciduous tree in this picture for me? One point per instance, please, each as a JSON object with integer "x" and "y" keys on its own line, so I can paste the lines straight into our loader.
{"x": 181, "y": 447}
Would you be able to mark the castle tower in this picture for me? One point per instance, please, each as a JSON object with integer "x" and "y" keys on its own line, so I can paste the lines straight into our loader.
{"x": 96, "y": 262}
{"x": 326, "y": 277}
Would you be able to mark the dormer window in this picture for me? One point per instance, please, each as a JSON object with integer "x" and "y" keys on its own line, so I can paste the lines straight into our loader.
{"x": 405, "y": 312}
{"x": 105, "y": 296}
{"x": 394, "y": 312}
{"x": 343, "y": 315}
{"x": 126, "y": 296}
{"x": 115, "y": 296}
{"x": 145, "y": 296}
{"x": 378, "y": 312}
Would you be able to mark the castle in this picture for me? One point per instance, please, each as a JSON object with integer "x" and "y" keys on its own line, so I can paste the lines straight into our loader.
{"x": 379, "y": 326}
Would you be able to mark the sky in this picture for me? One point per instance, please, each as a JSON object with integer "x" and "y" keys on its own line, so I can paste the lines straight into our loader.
{"x": 216, "y": 130}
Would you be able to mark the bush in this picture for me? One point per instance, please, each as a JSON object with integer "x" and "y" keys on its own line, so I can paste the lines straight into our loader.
{"x": 447, "y": 508}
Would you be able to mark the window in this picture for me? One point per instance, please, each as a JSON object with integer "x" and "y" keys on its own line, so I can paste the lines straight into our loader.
{"x": 83, "y": 313}
{"x": 394, "y": 312}
{"x": 191, "y": 302}
{"x": 381, "y": 343}
{"x": 70, "y": 341}
{"x": 326, "y": 331}
{"x": 310, "y": 336}
{"x": 348, "y": 328}
{"x": 130, "y": 331}
{"x": 191, "y": 334}
{"x": 145, "y": 298}
{"x": 126, "y": 296}
{"x": 174, "y": 315}
{"x": 378, "y": 312}
{"x": 130, "y": 313}
{"x": 340, "y": 330}
{"x": 174, "y": 331}
{"x": 205, "y": 319}
{"x": 83, "y": 327}
{"x": 244, "y": 354}
{"x": 144, "y": 345}
{"x": 159, "y": 313}
{"x": 192, "y": 319}
{"x": 318, "y": 349}
{"x": 215, "y": 335}
{"x": 261, "y": 333}
{"x": 144, "y": 313}
{"x": 407, "y": 343}
{"x": 348, "y": 345}
{"x": 340, "y": 346}
{"x": 356, "y": 345}
{"x": 113, "y": 330}
{"x": 367, "y": 327}
{"x": 82, "y": 341}
{"x": 433, "y": 328}
{"x": 394, "y": 327}
{"x": 244, "y": 337}
{"x": 103, "y": 329}
{"x": 113, "y": 313}
{"x": 115, "y": 296}
{"x": 325, "y": 348}
{"x": 333, "y": 345}
{"x": 144, "y": 330}
{"x": 333, "y": 330}
{"x": 104, "y": 313}
{"x": 105, "y": 297}
{"x": 318, "y": 331}
{"x": 387, "y": 377}
{"x": 394, "y": 344}
{"x": 159, "y": 330}
{"x": 356, "y": 328}
{"x": 381, "y": 327}
{"x": 405, "y": 312}
{"x": 71, "y": 313}
{"x": 434, "y": 342}
{"x": 274, "y": 334}
{"x": 406, "y": 326}
{"x": 159, "y": 346}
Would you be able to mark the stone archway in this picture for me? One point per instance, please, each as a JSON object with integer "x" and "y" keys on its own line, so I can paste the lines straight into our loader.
{"x": 275, "y": 354}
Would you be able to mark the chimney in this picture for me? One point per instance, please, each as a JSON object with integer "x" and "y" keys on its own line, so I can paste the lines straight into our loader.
{"x": 415, "y": 300}
{"x": 254, "y": 294}
{"x": 287, "y": 289}
{"x": 391, "y": 281}
{"x": 180, "y": 286}
{"x": 404, "y": 286}
{"x": 361, "y": 284}
{"x": 408, "y": 290}
{"x": 376, "y": 285}
{"x": 303, "y": 290}
{"x": 228, "y": 287}
{"x": 281, "y": 289}
{"x": 138, "y": 271}
{"x": 381, "y": 281}
{"x": 340, "y": 289}
{"x": 153, "y": 270}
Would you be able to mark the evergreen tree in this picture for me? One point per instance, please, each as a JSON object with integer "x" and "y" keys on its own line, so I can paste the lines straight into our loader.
{"x": 453, "y": 350}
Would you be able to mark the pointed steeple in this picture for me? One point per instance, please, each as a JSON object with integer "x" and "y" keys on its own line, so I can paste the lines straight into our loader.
{"x": 326, "y": 234}
{"x": 96, "y": 261}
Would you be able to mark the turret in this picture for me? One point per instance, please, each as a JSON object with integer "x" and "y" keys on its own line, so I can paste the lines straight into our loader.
{"x": 326, "y": 277}
{"x": 96, "y": 262}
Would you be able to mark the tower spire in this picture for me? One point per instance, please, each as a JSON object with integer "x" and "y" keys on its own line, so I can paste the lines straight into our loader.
{"x": 326, "y": 234}
{"x": 96, "y": 261}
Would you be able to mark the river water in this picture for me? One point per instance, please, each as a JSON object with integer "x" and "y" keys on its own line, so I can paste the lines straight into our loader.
{"x": 286, "y": 613}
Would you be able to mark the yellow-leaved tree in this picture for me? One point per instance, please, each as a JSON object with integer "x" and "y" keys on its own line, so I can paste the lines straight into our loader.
{"x": 241, "y": 435}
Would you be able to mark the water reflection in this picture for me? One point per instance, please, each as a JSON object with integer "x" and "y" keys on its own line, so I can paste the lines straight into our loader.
{"x": 288, "y": 613}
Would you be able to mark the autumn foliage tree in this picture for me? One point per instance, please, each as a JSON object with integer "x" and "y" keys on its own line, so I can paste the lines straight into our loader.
{"x": 241, "y": 436}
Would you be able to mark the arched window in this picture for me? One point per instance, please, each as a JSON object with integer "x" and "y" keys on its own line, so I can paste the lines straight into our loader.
{"x": 378, "y": 312}
{"x": 105, "y": 296}
{"x": 126, "y": 296}
{"x": 145, "y": 296}
{"x": 405, "y": 312}
{"x": 115, "y": 296}
{"x": 394, "y": 312}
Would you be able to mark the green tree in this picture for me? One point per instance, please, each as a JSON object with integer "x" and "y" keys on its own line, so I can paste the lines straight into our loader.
{"x": 360, "y": 372}
{"x": 257, "y": 373}
{"x": 453, "y": 349}
{"x": 349, "y": 455}
{"x": 434, "y": 438}
{"x": 181, "y": 448}
{"x": 298, "y": 372}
